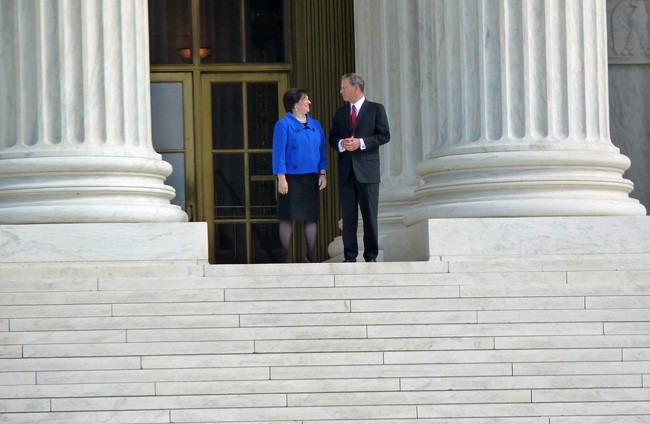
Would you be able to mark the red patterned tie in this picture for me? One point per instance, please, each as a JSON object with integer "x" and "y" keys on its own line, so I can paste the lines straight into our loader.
{"x": 353, "y": 118}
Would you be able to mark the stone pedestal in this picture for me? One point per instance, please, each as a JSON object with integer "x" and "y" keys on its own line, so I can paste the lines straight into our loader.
{"x": 522, "y": 239}
{"x": 75, "y": 136}
{"x": 178, "y": 242}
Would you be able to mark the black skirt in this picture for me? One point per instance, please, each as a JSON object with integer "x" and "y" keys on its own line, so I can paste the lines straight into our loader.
{"x": 302, "y": 202}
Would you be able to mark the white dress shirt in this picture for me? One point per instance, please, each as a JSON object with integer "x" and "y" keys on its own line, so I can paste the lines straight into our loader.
{"x": 357, "y": 105}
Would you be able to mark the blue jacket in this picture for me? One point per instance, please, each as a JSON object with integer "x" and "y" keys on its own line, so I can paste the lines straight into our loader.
{"x": 298, "y": 149}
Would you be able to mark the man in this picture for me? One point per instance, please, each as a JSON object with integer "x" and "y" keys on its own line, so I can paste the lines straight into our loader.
{"x": 358, "y": 129}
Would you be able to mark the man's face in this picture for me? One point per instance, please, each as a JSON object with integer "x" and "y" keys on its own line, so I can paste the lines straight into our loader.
{"x": 349, "y": 92}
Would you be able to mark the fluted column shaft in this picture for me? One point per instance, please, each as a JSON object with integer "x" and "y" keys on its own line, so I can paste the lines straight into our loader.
{"x": 75, "y": 136}
{"x": 521, "y": 113}
{"x": 396, "y": 75}
{"x": 512, "y": 70}
{"x": 394, "y": 69}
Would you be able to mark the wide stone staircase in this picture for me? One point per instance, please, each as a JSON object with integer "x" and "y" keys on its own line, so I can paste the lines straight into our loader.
{"x": 464, "y": 340}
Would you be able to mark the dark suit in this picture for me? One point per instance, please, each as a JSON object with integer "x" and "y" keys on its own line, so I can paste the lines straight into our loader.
{"x": 359, "y": 174}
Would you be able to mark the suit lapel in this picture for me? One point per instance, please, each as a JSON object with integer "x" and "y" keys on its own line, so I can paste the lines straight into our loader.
{"x": 349, "y": 118}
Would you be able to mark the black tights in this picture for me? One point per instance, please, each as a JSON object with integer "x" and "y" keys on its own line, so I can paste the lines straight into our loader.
{"x": 310, "y": 229}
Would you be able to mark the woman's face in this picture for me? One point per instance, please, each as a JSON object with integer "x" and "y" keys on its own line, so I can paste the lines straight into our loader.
{"x": 302, "y": 107}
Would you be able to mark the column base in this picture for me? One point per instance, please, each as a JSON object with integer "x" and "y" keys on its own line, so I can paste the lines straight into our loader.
{"x": 539, "y": 180}
{"x": 393, "y": 201}
{"x": 85, "y": 189}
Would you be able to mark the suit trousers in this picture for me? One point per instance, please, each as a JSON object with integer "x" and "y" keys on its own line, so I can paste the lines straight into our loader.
{"x": 357, "y": 196}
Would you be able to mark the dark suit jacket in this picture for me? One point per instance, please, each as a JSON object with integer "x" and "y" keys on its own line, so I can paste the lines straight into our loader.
{"x": 372, "y": 126}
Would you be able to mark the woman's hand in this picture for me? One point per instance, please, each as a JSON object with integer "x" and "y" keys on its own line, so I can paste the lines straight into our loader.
{"x": 283, "y": 186}
{"x": 322, "y": 181}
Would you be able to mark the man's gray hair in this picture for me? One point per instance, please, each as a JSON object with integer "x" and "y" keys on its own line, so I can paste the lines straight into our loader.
{"x": 355, "y": 79}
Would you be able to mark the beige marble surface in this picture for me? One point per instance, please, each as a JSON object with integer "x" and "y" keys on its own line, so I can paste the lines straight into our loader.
{"x": 521, "y": 237}
{"x": 103, "y": 242}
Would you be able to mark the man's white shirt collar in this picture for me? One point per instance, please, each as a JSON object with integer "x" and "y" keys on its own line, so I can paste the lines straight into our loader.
{"x": 358, "y": 104}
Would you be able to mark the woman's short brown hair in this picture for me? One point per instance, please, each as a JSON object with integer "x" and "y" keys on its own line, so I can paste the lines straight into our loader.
{"x": 293, "y": 96}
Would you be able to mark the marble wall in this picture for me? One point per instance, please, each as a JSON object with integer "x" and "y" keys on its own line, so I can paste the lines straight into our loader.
{"x": 629, "y": 100}
{"x": 629, "y": 88}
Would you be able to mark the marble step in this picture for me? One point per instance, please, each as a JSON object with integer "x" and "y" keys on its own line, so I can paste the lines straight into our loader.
{"x": 609, "y": 263}
{"x": 87, "y": 323}
{"x": 313, "y": 282}
{"x": 405, "y": 343}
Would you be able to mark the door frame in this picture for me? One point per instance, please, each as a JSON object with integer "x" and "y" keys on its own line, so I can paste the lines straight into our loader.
{"x": 206, "y": 174}
{"x": 189, "y": 148}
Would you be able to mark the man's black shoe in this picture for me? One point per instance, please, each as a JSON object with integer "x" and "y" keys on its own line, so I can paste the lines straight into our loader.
{"x": 350, "y": 260}
{"x": 371, "y": 260}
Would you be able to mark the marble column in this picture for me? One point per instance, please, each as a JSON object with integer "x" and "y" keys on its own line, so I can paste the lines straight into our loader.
{"x": 75, "y": 136}
{"x": 395, "y": 66}
{"x": 396, "y": 73}
{"x": 520, "y": 115}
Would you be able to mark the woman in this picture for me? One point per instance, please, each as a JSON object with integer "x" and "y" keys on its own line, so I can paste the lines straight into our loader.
{"x": 300, "y": 163}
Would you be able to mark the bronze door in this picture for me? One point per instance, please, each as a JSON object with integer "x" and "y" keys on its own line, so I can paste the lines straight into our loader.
{"x": 239, "y": 112}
